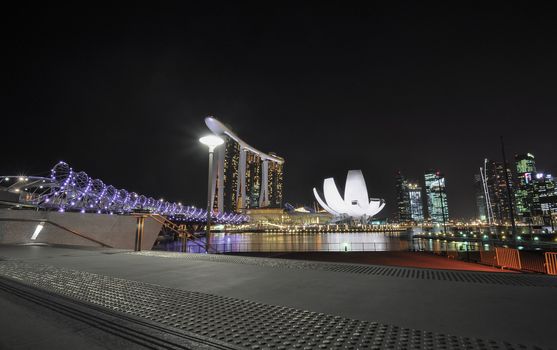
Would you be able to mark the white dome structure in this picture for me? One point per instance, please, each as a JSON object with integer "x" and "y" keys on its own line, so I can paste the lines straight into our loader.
{"x": 356, "y": 204}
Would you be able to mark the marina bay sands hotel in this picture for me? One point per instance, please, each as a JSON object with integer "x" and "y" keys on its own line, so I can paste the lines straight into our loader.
{"x": 244, "y": 177}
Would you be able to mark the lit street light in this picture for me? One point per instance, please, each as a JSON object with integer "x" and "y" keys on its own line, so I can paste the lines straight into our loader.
{"x": 211, "y": 141}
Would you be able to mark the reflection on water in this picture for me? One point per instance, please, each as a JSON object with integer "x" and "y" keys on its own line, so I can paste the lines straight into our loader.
{"x": 289, "y": 242}
{"x": 439, "y": 245}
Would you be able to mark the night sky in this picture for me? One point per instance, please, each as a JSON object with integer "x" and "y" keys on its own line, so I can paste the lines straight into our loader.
{"x": 121, "y": 93}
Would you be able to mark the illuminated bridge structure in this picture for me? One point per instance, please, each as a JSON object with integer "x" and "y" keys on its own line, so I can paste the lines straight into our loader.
{"x": 66, "y": 190}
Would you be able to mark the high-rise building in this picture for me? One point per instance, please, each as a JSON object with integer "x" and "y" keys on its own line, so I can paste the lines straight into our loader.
{"x": 231, "y": 173}
{"x": 498, "y": 192}
{"x": 253, "y": 180}
{"x": 275, "y": 183}
{"x": 525, "y": 163}
{"x": 524, "y": 193}
{"x": 533, "y": 193}
{"x": 402, "y": 198}
{"x": 409, "y": 200}
{"x": 244, "y": 177}
{"x": 437, "y": 207}
{"x": 416, "y": 203}
{"x": 481, "y": 200}
{"x": 544, "y": 211}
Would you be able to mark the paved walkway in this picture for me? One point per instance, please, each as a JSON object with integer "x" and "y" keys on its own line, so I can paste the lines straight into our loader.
{"x": 246, "y": 302}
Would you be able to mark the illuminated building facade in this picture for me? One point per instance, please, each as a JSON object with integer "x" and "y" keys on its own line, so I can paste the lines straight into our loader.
{"x": 244, "y": 177}
{"x": 544, "y": 204}
{"x": 409, "y": 200}
{"x": 275, "y": 183}
{"x": 228, "y": 182}
{"x": 402, "y": 198}
{"x": 481, "y": 200}
{"x": 437, "y": 206}
{"x": 524, "y": 193}
{"x": 253, "y": 182}
{"x": 497, "y": 190}
{"x": 416, "y": 203}
{"x": 536, "y": 195}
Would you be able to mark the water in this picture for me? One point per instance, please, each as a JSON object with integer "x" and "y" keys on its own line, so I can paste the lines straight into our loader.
{"x": 296, "y": 242}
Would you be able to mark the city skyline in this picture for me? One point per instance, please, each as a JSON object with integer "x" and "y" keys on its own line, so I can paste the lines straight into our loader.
{"x": 378, "y": 89}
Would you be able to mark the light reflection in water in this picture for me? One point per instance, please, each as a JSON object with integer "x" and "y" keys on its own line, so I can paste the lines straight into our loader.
{"x": 288, "y": 242}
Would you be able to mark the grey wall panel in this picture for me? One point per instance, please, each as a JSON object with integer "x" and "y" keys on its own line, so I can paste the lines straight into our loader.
{"x": 117, "y": 231}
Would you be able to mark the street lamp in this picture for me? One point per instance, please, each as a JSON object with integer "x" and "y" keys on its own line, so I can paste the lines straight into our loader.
{"x": 211, "y": 141}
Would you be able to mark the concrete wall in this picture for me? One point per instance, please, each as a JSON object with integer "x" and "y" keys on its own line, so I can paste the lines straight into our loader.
{"x": 117, "y": 231}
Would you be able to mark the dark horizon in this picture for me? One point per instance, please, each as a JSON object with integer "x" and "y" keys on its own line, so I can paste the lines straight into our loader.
{"x": 121, "y": 93}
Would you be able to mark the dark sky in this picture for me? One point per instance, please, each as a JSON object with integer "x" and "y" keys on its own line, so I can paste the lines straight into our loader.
{"x": 122, "y": 92}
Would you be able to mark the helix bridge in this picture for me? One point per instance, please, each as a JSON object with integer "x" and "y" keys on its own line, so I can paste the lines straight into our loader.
{"x": 67, "y": 190}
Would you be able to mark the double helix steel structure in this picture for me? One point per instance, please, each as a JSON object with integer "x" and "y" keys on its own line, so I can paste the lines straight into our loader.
{"x": 69, "y": 190}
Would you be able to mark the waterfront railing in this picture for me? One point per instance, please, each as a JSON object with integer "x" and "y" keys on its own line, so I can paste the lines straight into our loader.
{"x": 272, "y": 247}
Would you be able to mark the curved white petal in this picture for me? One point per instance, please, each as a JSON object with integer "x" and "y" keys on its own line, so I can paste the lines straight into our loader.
{"x": 375, "y": 207}
{"x": 322, "y": 203}
{"x": 355, "y": 188}
{"x": 374, "y": 204}
{"x": 332, "y": 196}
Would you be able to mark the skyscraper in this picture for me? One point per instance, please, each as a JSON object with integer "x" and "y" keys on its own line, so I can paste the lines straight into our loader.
{"x": 253, "y": 180}
{"x": 544, "y": 211}
{"x": 524, "y": 193}
{"x": 231, "y": 173}
{"x": 497, "y": 191}
{"x": 402, "y": 198}
{"x": 275, "y": 183}
{"x": 481, "y": 200}
{"x": 416, "y": 204}
{"x": 437, "y": 207}
{"x": 409, "y": 200}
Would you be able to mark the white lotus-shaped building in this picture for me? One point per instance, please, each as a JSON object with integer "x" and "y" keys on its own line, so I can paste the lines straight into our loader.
{"x": 356, "y": 203}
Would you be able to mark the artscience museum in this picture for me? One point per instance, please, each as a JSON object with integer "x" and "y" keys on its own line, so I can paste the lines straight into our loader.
{"x": 355, "y": 205}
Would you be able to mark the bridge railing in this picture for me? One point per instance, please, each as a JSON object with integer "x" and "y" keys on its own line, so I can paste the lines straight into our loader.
{"x": 551, "y": 263}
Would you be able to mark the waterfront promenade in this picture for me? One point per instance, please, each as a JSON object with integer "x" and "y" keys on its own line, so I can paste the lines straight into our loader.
{"x": 102, "y": 298}
{"x": 391, "y": 258}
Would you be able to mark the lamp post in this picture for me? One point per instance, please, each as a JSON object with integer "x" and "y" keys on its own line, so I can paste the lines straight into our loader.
{"x": 211, "y": 141}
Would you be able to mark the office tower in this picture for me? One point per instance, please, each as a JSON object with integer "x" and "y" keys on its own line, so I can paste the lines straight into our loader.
{"x": 409, "y": 200}
{"x": 544, "y": 211}
{"x": 524, "y": 193}
{"x": 402, "y": 198}
{"x": 438, "y": 210}
{"x": 497, "y": 191}
{"x": 416, "y": 204}
{"x": 481, "y": 199}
